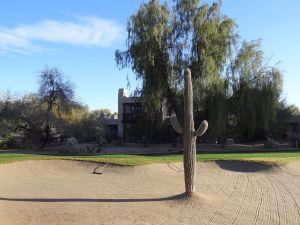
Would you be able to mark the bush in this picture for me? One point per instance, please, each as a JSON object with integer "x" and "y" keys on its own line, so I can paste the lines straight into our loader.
{"x": 73, "y": 147}
{"x": 7, "y": 142}
{"x": 271, "y": 143}
{"x": 101, "y": 141}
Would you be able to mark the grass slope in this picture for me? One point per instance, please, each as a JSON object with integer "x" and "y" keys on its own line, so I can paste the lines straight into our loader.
{"x": 276, "y": 158}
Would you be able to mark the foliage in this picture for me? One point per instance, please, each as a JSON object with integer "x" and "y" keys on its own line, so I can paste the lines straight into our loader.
{"x": 56, "y": 95}
{"x": 271, "y": 143}
{"x": 87, "y": 126}
{"x": 234, "y": 87}
{"x": 25, "y": 115}
{"x": 73, "y": 147}
{"x": 148, "y": 56}
{"x": 254, "y": 93}
{"x": 7, "y": 142}
{"x": 21, "y": 115}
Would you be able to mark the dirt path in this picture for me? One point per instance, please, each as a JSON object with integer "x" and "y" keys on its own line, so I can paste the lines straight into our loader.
{"x": 67, "y": 192}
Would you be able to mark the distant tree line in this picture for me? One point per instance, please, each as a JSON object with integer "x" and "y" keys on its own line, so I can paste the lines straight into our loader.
{"x": 49, "y": 116}
{"x": 236, "y": 89}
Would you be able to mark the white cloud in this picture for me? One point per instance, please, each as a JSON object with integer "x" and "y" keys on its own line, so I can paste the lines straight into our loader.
{"x": 10, "y": 42}
{"x": 86, "y": 31}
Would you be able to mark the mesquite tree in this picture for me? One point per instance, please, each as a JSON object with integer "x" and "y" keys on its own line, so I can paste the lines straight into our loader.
{"x": 189, "y": 134}
{"x": 56, "y": 94}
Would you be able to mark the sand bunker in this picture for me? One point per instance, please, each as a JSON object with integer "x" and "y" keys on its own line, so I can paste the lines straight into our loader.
{"x": 67, "y": 192}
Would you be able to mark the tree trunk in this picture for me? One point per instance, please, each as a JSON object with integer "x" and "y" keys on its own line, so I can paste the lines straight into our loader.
{"x": 189, "y": 155}
{"x": 47, "y": 127}
{"x": 47, "y": 135}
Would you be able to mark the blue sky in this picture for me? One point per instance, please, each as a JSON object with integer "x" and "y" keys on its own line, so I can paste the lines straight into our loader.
{"x": 80, "y": 38}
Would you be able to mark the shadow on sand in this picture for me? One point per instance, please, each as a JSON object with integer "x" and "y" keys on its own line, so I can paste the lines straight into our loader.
{"x": 243, "y": 166}
{"x": 111, "y": 200}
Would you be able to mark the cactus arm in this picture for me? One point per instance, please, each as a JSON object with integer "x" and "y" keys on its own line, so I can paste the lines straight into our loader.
{"x": 189, "y": 134}
{"x": 175, "y": 124}
{"x": 202, "y": 128}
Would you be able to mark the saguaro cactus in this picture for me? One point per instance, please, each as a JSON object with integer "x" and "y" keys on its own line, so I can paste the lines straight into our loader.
{"x": 189, "y": 134}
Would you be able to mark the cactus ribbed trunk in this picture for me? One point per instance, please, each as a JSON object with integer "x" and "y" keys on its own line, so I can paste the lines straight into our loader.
{"x": 189, "y": 155}
{"x": 189, "y": 134}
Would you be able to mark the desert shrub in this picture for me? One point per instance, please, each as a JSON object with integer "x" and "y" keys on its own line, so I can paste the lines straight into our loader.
{"x": 271, "y": 143}
{"x": 73, "y": 147}
{"x": 7, "y": 142}
{"x": 101, "y": 140}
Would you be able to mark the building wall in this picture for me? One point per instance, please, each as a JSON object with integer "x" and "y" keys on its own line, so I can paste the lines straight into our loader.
{"x": 129, "y": 112}
{"x": 125, "y": 101}
{"x": 122, "y": 95}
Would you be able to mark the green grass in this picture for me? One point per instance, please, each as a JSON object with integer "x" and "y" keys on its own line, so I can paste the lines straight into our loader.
{"x": 276, "y": 158}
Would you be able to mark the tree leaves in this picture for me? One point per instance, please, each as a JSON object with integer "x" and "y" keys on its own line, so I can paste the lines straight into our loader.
{"x": 231, "y": 78}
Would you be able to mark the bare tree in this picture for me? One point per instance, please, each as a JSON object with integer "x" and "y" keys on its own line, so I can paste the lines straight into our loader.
{"x": 56, "y": 94}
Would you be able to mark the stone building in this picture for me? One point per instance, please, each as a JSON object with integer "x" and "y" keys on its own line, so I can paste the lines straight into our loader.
{"x": 129, "y": 113}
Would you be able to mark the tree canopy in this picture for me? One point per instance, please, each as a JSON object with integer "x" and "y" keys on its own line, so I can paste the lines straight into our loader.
{"x": 232, "y": 79}
{"x": 55, "y": 94}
